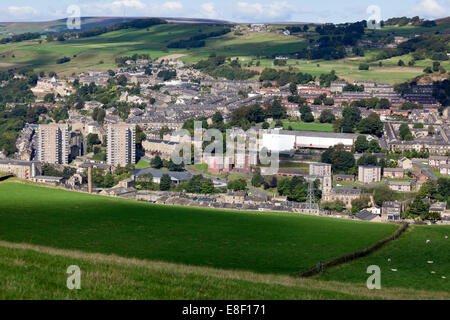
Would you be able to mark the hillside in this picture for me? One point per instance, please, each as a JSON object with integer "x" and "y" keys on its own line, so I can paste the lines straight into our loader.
{"x": 36, "y": 272}
{"x": 410, "y": 256}
{"x": 254, "y": 48}
{"x": 87, "y": 23}
{"x": 261, "y": 242}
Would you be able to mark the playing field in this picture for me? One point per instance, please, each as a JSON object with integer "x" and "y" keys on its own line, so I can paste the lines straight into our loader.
{"x": 259, "y": 242}
{"x": 410, "y": 256}
{"x": 304, "y": 126}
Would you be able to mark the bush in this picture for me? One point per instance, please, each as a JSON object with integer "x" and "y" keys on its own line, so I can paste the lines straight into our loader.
{"x": 364, "y": 66}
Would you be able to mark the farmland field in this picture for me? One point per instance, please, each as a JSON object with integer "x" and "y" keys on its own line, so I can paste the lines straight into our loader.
{"x": 36, "y": 272}
{"x": 259, "y": 242}
{"x": 409, "y": 255}
{"x": 100, "y": 52}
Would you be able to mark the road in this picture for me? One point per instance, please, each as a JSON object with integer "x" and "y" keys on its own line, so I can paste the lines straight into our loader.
{"x": 425, "y": 170}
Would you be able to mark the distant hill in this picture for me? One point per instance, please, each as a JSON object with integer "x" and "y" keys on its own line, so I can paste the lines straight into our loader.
{"x": 443, "y": 20}
{"x": 87, "y": 23}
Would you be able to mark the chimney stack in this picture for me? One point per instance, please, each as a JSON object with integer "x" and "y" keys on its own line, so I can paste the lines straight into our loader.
{"x": 90, "y": 179}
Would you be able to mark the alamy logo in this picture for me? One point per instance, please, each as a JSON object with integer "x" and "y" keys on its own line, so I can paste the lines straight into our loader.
{"x": 74, "y": 17}
{"x": 374, "y": 21}
{"x": 74, "y": 279}
{"x": 374, "y": 281}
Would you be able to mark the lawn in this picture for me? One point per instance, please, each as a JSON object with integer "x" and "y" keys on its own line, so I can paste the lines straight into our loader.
{"x": 142, "y": 164}
{"x": 438, "y": 174}
{"x": 260, "y": 242}
{"x": 313, "y": 126}
{"x": 409, "y": 254}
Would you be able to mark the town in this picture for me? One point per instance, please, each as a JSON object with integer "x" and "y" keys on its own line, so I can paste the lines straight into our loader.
{"x": 360, "y": 150}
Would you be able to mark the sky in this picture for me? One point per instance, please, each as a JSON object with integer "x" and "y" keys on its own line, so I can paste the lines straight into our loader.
{"x": 231, "y": 10}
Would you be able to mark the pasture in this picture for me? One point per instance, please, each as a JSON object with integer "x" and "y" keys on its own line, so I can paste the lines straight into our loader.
{"x": 411, "y": 256}
{"x": 278, "y": 243}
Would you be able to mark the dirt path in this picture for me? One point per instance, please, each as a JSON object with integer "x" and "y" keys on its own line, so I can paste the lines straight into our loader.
{"x": 172, "y": 57}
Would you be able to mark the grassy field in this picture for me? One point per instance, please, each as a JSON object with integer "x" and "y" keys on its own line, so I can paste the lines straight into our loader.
{"x": 313, "y": 126}
{"x": 99, "y": 53}
{"x": 36, "y": 272}
{"x": 142, "y": 164}
{"x": 259, "y": 242}
{"x": 409, "y": 254}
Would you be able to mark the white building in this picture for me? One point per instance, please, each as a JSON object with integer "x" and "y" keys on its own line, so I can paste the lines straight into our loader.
{"x": 283, "y": 140}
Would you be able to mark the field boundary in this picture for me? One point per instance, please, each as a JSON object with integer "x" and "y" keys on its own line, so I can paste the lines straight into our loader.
{"x": 354, "y": 255}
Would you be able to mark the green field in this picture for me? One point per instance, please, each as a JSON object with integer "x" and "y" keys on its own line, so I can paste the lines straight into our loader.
{"x": 36, "y": 272}
{"x": 142, "y": 164}
{"x": 304, "y": 126}
{"x": 265, "y": 243}
{"x": 90, "y": 52}
{"x": 409, "y": 254}
{"x": 100, "y": 52}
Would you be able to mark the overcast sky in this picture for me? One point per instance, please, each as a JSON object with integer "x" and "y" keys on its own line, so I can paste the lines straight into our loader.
{"x": 231, "y": 10}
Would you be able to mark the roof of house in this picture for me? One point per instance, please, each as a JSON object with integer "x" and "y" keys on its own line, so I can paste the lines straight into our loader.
{"x": 365, "y": 215}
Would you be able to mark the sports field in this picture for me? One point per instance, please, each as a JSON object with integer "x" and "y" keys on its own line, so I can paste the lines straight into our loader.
{"x": 304, "y": 126}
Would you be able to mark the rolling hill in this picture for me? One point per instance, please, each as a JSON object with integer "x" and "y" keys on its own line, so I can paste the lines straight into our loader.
{"x": 136, "y": 250}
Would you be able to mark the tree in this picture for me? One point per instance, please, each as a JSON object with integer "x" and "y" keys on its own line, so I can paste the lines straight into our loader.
{"x": 401, "y": 63}
{"x": 342, "y": 161}
{"x": 156, "y": 162}
{"x": 374, "y": 146}
{"x": 364, "y": 66}
{"x": 337, "y": 206}
{"x": 265, "y": 125}
{"x": 293, "y": 88}
{"x": 217, "y": 118}
{"x": 350, "y": 117}
{"x": 405, "y": 133}
{"x": 382, "y": 194}
{"x": 99, "y": 115}
{"x": 361, "y": 144}
{"x": 308, "y": 117}
{"x": 145, "y": 181}
{"x": 207, "y": 186}
{"x": 237, "y": 185}
{"x": 257, "y": 179}
{"x": 360, "y": 203}
{"x": 165, "y": 182}
{"x": 418, "y": 208}
{"x": 371, "y": 125}
{"x": 122, "y": 80}
{"x": 276, "y": 110}
{"x": 92, "y": 139}
{"x": 140, "y": 135}
{"x": 327, "y": 116}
